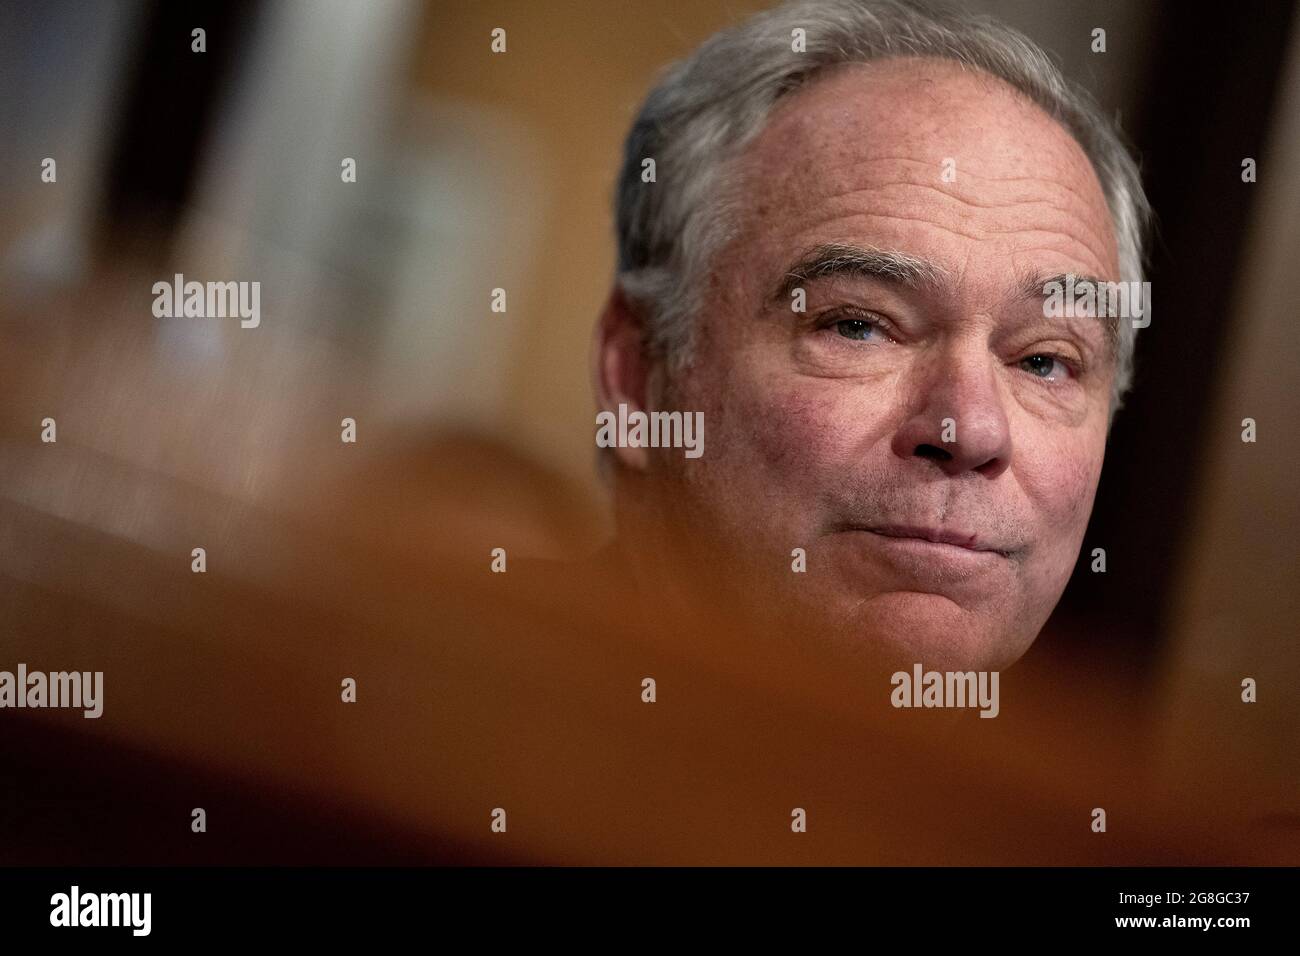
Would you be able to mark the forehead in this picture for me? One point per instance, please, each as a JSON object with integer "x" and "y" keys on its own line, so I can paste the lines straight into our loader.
{"x": 930, "y": 158}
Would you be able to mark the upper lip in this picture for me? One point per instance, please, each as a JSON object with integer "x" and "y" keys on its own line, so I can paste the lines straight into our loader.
{"x": 960, "y": 539}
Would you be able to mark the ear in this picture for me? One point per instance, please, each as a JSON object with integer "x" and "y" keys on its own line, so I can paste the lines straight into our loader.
{"x": 620, "y": 366}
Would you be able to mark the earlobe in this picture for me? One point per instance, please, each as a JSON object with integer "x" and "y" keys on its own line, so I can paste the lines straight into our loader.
{"x": 620, "y": 368}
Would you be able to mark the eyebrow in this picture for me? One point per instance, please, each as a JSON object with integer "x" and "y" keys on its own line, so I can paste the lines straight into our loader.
{"x": 837, "y": 259}
{"x": 1034, "y": 285}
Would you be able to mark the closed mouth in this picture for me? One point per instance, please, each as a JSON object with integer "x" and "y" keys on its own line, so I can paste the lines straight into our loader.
{"x": 943, "y": 536}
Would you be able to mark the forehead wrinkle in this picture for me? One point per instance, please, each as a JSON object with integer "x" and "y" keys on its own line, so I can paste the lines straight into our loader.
{"x": 791, "y": 183}
{"x": 913, "y": 220}
{"x": 1086, "y": 240}
{"x": 839, "y": 151}
{"x": 1064, "y": 252}
{"x": 1086, "y": 199}
{"x": 1103, "y": 250}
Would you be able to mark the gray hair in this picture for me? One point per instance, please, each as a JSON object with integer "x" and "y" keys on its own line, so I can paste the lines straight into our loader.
{"x": 706, "y": 108}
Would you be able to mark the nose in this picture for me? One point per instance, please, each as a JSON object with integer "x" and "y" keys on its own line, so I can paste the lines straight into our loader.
{"x": 956, "y": 417}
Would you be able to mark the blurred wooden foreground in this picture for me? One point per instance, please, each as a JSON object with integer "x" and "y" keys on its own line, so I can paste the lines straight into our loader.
{"x": 476, "y": 691}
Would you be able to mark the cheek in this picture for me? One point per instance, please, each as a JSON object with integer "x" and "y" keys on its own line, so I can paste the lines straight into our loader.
{"x": 1059, "y": 474}
{"x": 792, "y": 433}
{"x": 768, "y": 426}
{"x": 777, "y": 448}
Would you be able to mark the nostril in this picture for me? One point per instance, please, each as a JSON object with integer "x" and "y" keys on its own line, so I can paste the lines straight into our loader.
{"x": 932, "y": 451}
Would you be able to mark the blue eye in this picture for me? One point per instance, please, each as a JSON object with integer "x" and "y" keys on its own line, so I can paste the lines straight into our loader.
{"x": 1043, "y": 366}
{"x": 855, "y": 328}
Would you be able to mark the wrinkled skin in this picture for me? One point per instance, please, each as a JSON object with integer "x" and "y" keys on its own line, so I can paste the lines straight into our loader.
{"x": 826, "y": 429}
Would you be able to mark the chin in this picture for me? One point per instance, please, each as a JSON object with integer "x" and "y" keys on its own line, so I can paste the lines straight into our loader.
{"x": 902, "y": 628}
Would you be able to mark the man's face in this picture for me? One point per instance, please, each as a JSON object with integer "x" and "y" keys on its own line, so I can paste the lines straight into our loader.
{"x": 928, "y": 437}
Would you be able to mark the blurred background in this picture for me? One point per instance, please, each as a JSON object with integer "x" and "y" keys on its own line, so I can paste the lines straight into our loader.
{"x": 477, "y": 171}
